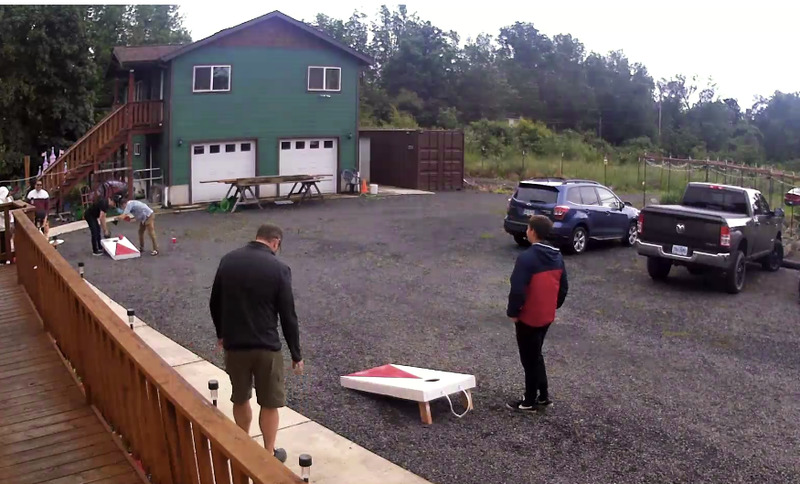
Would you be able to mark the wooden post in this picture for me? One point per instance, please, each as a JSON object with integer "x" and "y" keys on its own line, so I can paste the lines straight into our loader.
{"x": 27, "y": 161}
{"x": 130, "y": 98}
{"x": 116, "y": 90}
{"x": 129, "y": 164}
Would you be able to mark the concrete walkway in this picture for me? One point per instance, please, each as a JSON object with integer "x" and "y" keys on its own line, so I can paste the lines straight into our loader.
{"x": 336, "y": 459}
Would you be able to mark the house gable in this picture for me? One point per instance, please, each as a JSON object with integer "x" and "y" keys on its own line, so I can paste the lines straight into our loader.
{"x": 274, "y": 29}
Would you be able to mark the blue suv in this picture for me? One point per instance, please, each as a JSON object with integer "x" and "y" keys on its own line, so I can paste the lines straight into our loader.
{"x": 580, "y": 210}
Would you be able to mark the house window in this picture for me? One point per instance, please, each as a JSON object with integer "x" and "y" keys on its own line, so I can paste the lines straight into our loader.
{"x": 286, "y": 145}
{"x": 137, "y": 149}
{"x": 199, "y": 150}
{"x": 314, "y": 145}
{"x": 213, "y": 149}
{"x": 325, "y": 79}
{"x": 230, "y": 148}
{"x": 299, "y": 145}
{"x": 245, "y": 147}
{"x": 212, "y": 78}
{"x": 329, "y": 144}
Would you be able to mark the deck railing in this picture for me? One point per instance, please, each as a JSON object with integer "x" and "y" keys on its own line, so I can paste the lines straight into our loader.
{"x": 6, "y": 211}
{"x": 175, "y": 432}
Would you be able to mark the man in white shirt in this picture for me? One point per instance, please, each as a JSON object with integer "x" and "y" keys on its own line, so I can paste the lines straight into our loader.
{"x": 40, "y": 199}
{"x": 136, "y": 210}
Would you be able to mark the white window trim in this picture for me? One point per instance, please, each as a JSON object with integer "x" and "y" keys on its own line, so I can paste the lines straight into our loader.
{"x": 324, "y": 78}
{"x": 137, "y": 149}
{"x": 211, "y": 73}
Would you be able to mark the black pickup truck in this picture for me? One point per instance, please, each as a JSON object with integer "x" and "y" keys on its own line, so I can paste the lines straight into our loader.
{"x": 717, "y": 228}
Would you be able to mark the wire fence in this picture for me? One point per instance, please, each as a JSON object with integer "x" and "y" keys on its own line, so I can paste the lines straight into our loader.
{"x": 669, "y": 176}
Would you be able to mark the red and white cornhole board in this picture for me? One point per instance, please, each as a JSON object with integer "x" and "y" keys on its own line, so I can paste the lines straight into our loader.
{"x": 120, "y": 248}
{"x": 410, "y": 383}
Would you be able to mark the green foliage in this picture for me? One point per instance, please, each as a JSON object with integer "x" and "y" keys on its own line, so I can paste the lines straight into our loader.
{"x": 521, "y": 72}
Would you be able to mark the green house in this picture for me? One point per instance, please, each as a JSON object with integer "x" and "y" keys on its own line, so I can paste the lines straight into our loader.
{"x": 272, "y": 96}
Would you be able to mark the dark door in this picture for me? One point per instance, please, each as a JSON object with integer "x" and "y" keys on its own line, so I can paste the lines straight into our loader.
{"x": 616, "y": 220}
{"x": 595, "y": 213}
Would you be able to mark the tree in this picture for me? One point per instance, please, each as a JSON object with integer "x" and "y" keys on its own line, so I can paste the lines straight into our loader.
{"x": 45, "y": 99}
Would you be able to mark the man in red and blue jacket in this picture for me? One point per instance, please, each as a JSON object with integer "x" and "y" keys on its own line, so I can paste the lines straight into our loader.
{"x": 538, "y": 287}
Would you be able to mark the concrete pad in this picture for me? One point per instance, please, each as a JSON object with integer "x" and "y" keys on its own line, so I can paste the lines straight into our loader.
{"x": 387, "y": 190}
{"x": 336, "y": 459}
{"x": 198, "y": 374}
{"x": 173, "y": 353}
{"x": 118, "y": 310}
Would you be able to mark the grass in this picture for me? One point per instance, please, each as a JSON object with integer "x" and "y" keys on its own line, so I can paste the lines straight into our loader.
{"x": 623, "y": 178}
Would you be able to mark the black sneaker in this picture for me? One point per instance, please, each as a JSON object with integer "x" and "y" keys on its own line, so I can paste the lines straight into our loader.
{"x": 280, "y": 454}
{"x": 97, "y": 253}
{"x": 520, "y": 405}
{"x": 543, "y": 402}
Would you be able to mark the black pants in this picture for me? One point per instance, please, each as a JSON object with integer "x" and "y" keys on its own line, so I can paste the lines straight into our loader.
{"x": 94, "y": 228}
{"x": 530, "y": 341}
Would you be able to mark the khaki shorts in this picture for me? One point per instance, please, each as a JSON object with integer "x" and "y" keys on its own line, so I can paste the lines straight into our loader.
{"x": 260, "y": 367}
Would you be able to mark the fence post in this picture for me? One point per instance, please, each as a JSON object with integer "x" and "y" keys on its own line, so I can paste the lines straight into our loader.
{"x": 644, "y": 184}
{"x": 605, "y": 170}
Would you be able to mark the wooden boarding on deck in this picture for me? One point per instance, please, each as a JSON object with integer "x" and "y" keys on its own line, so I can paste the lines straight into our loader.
{"x": 48, "y": 433}
{"x": 245, "y": 185}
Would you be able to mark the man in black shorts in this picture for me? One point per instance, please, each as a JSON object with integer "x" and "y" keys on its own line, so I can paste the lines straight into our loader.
{"x": 40, "y": 199}
{"x": 252, "y": 289}
{"x": 95, "y": 216}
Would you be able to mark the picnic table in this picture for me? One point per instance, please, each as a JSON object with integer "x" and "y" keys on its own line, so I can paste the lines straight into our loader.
{"x": 243, "y": 186}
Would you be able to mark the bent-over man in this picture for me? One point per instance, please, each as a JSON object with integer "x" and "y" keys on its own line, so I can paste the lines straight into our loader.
{"x": 252, "y": 290}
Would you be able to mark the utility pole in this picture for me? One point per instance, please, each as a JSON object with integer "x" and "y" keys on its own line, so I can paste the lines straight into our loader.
{"x": 659, "y": 120}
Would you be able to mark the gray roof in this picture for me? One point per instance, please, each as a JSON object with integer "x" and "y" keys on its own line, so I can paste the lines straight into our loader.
{"x": 143, "y": 53}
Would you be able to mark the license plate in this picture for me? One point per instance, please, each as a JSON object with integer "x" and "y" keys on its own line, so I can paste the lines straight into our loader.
{"x": 680, "y": 250}
{"x": 528, "y": 212}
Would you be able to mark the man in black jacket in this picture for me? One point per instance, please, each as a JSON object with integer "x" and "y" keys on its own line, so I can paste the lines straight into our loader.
{"x": 252, "y": 289}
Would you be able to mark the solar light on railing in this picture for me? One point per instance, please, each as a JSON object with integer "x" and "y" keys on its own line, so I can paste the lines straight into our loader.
{"x": 130, "y": 317}
{"x": 305, "y": 467}
{"x": 80, "y": 269}
{"x": 213, "y": 386}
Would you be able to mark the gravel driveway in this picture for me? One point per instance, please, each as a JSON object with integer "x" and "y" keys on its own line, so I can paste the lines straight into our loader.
{"x": 674, "y": 382}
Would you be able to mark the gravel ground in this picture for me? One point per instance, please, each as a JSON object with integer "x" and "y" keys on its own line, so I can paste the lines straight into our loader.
{"x": 674, "y": 382}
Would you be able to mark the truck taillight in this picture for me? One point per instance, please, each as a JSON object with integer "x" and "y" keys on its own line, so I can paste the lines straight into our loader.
{"x": 725, "y": 236}
{"x": 640, "y": 224}
{"x": 560, "y": 212}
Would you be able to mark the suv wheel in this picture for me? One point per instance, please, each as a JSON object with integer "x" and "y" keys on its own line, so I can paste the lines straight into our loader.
{"x": 774, "y": 260}
{"x": 658, "y": 268}
{"x": 522, "y": 241}
{"x": 578, "y": 241}
{"x": 633, "y": 233}
{"x": 734, "y": 278}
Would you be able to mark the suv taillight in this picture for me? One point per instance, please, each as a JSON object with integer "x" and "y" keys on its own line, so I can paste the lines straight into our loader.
{"x": 560, "y": 212}
{"x": 640, "y": 224}
{"x": 725, "y": 236}
{"x": 508, "y": 205}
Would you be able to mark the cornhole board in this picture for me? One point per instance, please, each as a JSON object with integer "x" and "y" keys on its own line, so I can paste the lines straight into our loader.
{"x": 120, "y": 248}
{"x": 421, "y": 385}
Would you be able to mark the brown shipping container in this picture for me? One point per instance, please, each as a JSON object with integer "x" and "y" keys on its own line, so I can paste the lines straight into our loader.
{"x": 431, "y": 160}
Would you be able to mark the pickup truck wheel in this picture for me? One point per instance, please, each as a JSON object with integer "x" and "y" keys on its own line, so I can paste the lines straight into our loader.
{"x": 578, "y": 240}
{"x": 522, "y": 241}
{"x": 774, "y": 260}
{"x": 734, "y": 278}
{"x": 658, "y": 268}
{"x": 630, "y": 239}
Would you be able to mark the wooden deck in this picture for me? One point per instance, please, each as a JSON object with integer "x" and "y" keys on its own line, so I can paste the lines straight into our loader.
{"x": 48, "y": 434}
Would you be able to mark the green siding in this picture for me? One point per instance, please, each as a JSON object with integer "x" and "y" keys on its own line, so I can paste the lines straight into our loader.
{"x": 268, "y": 100}
{"x": 140, "y": 160}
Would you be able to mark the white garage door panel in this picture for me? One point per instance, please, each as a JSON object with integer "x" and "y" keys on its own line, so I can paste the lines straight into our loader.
{"x": 310, "y": 156}
{"x": 219, "y": 161}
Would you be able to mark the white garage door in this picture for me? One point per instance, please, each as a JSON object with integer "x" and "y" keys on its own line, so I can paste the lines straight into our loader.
{"x": 220, "y": 161}
{"x": 311, "y": 156}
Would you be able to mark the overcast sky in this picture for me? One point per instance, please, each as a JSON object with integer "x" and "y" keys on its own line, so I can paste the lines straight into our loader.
{"x": 747, "y": 48}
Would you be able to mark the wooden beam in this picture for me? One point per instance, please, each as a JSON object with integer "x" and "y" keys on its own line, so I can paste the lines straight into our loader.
{"x": 27, "y": 170}
{"x": 129, "y": 164}
{"x": 116, "y": 90}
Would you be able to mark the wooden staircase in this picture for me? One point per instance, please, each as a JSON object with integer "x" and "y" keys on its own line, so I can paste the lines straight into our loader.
{"x": 99, "y": 144}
